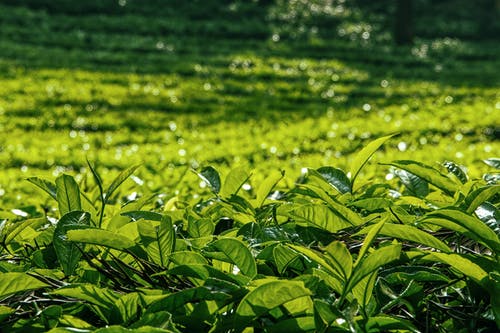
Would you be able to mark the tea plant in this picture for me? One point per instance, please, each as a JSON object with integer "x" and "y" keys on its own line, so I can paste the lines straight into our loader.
{"x": 176, "y": 85}
{"x": 334, "y": 253}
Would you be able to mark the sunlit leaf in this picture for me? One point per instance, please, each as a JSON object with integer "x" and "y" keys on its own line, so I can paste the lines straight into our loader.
{"x": 341, "y": 210}
{"x": 266, "y": 297}
{"x": 267, "y": 186}
{"x": 373, "y": 262}
{"x": 410, "y": 233}
{"x": 5, "y": 311}
{"x": 118, "y": 181}
{"x": 143, "y": 329}
{"x": 337, "y": 178}
{"x": 211, "y": 177}
{"x": 233, "y": 182}
{"x": 187, "y": 258}
{"x": 363, "y": 290}
{"x": 239, "y": 254}
{"x": 456, "y": 170}
{"x": 13, "y": 282}
{"x": 449, "y": 218}
{"x": 283, "y": 256}
{"x": 429, "y": 174}
{"x": 462, "y": 264}
{"x": 318, "y": 258}
{"x": 103, "y": 298}
{"x": 67, "y": 252}
{"x": 300, "y": 324}
{"x": 68, "y": 194}
{"x": 12, "y": 229}
{"x": 493, "y": 162}
{"x": 490, "y": 215}
{"x": 479, "y": 196}
{"x": 362, "y": 157}
{"x": 101, "y": 237}
{"x": 126, "y": 308}
{"x": 370, "y": 237}
{"x": 321, "y": 216}
{"x": 389, "y": 324}
{"x": 339, "y": 257}
{"x": 45, "y": 185}
{"x": 175, "y": 301}
{"x": 416, "y": 185}
{"x": 141, "y": 214}
{"x": 200, "y": 227}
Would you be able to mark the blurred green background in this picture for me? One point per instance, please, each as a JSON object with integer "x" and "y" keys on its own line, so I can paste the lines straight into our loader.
{"x": 276, "y": 84}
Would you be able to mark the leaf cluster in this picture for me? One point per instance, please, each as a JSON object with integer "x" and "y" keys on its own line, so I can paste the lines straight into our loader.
{"x": 334, "y": 253}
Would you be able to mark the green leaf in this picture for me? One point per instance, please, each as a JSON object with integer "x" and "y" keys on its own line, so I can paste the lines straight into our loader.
{"x": 490, "y": 215}
{"x": 405, "y": 274}
{"x": 203, "y": 272}
{"x": 372, "y": 204}
{"x": 136, "y": 215}
{"x": 300, "y": 324}
{"x": 323, "y": 313}
{"x": 494, "y": 162}
{"x": 157, "y": 319}
{"x": 143, "y": 329}
{"x": 101, "y": 237}
{"x": 495, "y": 301}
{"x": 429, "y": 174}
{"x": 462, "y": 264}
{"x": 267, "y": 186}
{"x": 267, "y": 297}
{"x": 45, "y": 185}
{"x": 389, "y": 324}
{"x": 68, "y": 194}
{"x": 51, "y": 315}
{"x": 67, "y": 252}
{"x": 336, "y": 177}
{"x": 200, "y": 227}
{"x": 410, "y": 233}
{"x": 364, "y": 155}
{"x": 158, "y": 238}
{"x": 12, "y": 229}
{"x": 283, "y": 256}
{"x": 451, "y": 218}
{"x": 118, "y": 181}
{"x": 233, "y": 182}
{"x": 320, "y": 216}
{"x": 13, "y": 282}
{"x": 479, "y": 196}
{"x": 210, "y": 176}
{"x": 187, "y": 258}
{"x": 342, "y": 211}
{"x": 126, "y": 308}
{"x": 340, "y": 258}
{"x": 363, "y": 290}
{"x": 176, "y": 301}
{"x": 456, "y": 170}
{"x": 102, "y": 297}
{"x": 373, "y": 262}
{"x": 318, "y": 258}
{"x": 239, "y": 254}
{"x": 5, "y": 312}
{"x": 367, "y": 242}
{"x": 416, "y": 185}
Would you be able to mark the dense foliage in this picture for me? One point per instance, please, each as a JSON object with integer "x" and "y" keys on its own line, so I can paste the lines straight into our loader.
{"x": 178, "y": 84}
{"x": 331, "y": 254}
{"x": 171, "y": 244}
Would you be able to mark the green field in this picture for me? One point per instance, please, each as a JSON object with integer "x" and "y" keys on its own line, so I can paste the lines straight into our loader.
{"x": 206, "y": 84}
{"x": 248, "y": 166}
